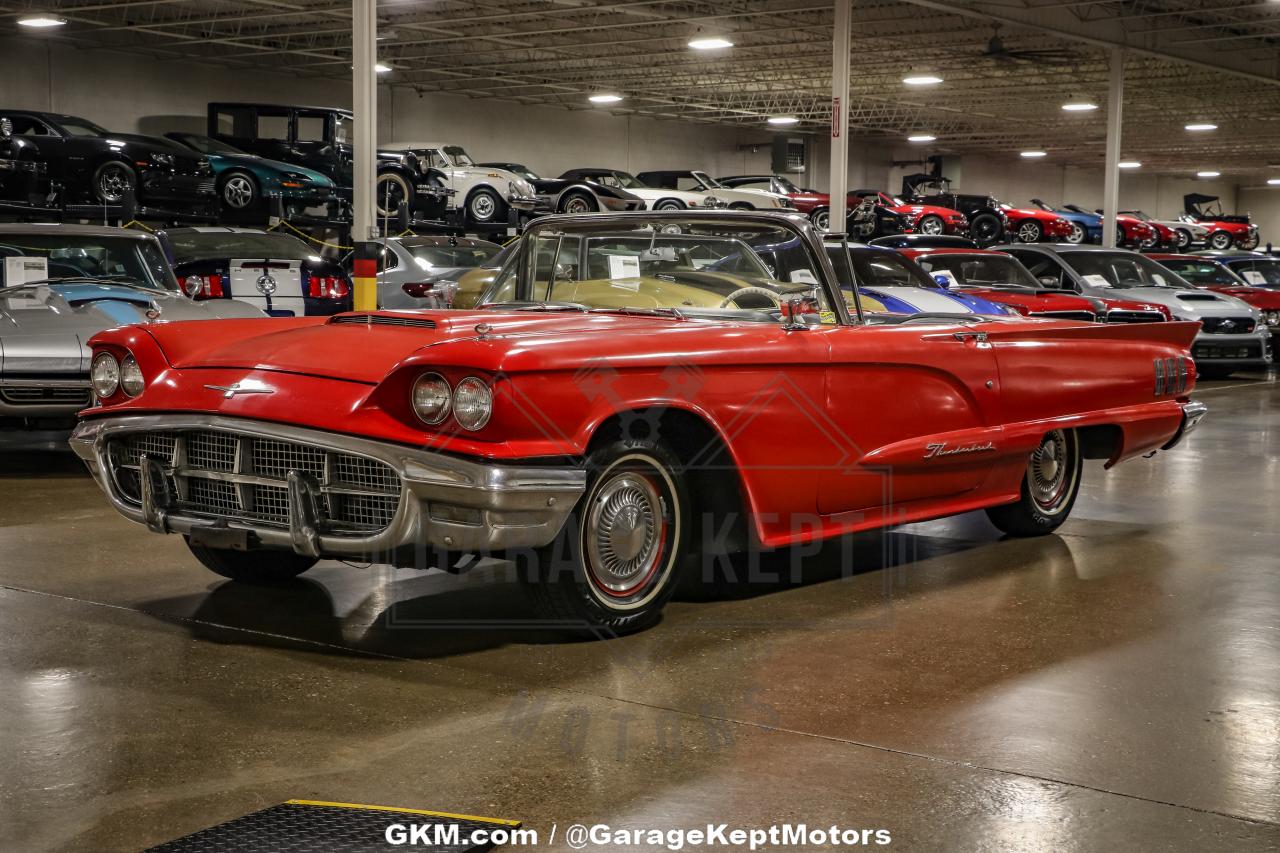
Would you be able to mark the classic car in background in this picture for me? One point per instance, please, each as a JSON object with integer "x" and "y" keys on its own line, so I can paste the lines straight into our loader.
{"x": 879, "y": 214}
{"x": 998, "y": 277}
{"x": 245, "y": 182}
{"x": 985, "y": 214}
{"x": 565, "y": 195}
{"x": 1085, "y": 227}
{"x": 1232, "y": 334}
{"x": 319, "y": 138}
{"x": 654, "y": 198}
{"x": 1032, "y": 225}
{"x": 548, "y": 429}
{"x": 814, "y": 204}
{"x": 424, "y": 272}
{"x": 1212, "y": 274}
{"x": 901, "y": 285}
{"x": 484, "y": 193}
{"x": 1185, "y": 233}
{"x": 92, "y": 164}
{"x": 277, "y": 273}
{"x": 736, "y": 198}
{"x": 22, "y": 174}
{"x": 1225, "y": 231}
{"x": 1131, "y": 232}
{"x": 80, "y": 279}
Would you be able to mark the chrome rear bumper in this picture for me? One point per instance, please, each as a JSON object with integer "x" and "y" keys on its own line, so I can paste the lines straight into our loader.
{"x": 1193, "y": 412}
{"x": 446, "y": 502}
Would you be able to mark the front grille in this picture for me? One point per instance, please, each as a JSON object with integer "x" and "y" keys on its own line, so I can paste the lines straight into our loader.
{"x": 383, "y": 320}
{"x": 1241, "y": 351}
{"x": 1134, "y": 317}
{"x": 36, "y": 396}
{"x": 206, "y": 186}
{"x": 1083, "y": 316}
{"x": 1227, "y": 325}
{"x": 227, "y": 475}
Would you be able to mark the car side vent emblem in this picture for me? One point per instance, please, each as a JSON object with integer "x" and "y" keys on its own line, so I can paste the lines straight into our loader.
{"x": 383, "y": 320}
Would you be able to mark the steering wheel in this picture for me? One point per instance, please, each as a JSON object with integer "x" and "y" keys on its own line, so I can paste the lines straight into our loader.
{"x": 749, "y": 291}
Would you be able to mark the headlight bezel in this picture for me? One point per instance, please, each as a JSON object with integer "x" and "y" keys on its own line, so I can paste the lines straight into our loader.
{"x": 446, "y": 405}
{"x": 131, "y": 370}
{"x": 113, "y": 378}
{"x": 472, "y": 384}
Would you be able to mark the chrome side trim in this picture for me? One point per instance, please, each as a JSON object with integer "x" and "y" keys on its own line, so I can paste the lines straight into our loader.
{"x": 446, "y": 502}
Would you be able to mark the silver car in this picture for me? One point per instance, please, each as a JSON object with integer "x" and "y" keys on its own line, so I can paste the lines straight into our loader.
{"x": 423, "y": 272}
{"x": 1233, "y": 334}
{"x": 61, "y": 285}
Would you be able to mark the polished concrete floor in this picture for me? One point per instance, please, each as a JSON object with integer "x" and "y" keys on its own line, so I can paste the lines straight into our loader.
{"x": 1115, "y": 687}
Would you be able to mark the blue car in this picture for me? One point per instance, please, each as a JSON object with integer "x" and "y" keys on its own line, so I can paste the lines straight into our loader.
{"x": 902, "y": 286}
{"x": 1086, "y": 227}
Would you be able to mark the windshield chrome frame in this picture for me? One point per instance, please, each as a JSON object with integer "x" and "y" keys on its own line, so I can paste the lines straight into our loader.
{"x": 796, "y": 223}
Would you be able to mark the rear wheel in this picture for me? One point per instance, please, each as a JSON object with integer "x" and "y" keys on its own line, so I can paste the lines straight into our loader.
{"x": 113, "y": 180}
{"x": 578, "y": 203}
{"x": 740, "y": 205}
{"x": 1182, "y": 239}
{"x": 613, "y": 566}
{"x": 1220, "y": 240}
{"x": 668, "y": 204}
{"x": 389, "y": 191}
{"x": 820, "y": 219}
{"x": 1049, "y": 488}
{"x": 255, "y": 567}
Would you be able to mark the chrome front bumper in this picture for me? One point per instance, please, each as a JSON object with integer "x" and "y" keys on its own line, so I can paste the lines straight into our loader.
{"x": 446, "y": 502}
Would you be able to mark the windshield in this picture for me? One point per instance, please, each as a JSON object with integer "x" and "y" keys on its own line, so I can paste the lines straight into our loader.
{"x": 979, "y": 270}
{"x": 431, "y": 257}
{"x": 1137, "y": 214}
{"x": 131, "y": 261}
{"x": 1121, "y": 269}
{"x": 205, "y": 145}
{"x": 878, "y": 268}
{"x": 343, "y": 129}
{"x": 213, "y": 245}
{"x": 458, "y": 155}
{"x": 709, "y": 269}
{"x": 707, "y": 181}
{"x": 1264, "y": 272}
{"x": 80, "y": 127}
{"x": 786, "y": 185}
{"x": 615, "y": 179}
{"x": 1203, "y": 273}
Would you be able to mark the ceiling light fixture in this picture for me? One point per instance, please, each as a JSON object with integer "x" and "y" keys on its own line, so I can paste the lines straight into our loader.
{"x": 1275, "y": 182}
{"x": 1208, "y": 173}
{"x": 783, "y": 119}
{"x": 604, "y": 98}
{"x": 1129, "y": 164}
{"x": 1079, "y": 107}
{"x": 41, "y": 22}
{"x": 922, "y": 137}
{"x": 1032, "y": 155}
{"x": 1201, "y": 126}
{"x": 922, "y": 79}
{"x": 382, "y": 68}
{"x": 710, "y": 43}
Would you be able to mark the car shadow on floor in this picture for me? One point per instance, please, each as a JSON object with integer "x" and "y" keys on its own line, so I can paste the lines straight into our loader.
{"x": 22, "y": 459}
{"x": 434, "y": 615}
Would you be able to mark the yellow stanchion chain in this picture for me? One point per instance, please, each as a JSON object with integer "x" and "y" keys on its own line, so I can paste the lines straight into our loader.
{"x": 304, "y": 235}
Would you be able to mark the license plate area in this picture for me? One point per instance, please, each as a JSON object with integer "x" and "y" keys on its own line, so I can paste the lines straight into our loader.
{"x": 220, "y": 536}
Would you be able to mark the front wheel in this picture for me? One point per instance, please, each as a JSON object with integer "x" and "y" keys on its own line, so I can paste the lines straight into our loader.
{"x": 931, "y": 225}
{"x": 484, "y": 206}
{"x": 668, "y": 204}
{"x": 1030, "y": 231}
{"x": 1250, "y": 243}
{"x": 239, "y": 192}
{"x": 1220, "y": 240}
{"x": 253, "y": 567}
{"x": 613, "y": 566}
{"x": 820, "y": 219}
{"x": 1182, "y": 239}
{"x": 1077, "y": 235}
{"x": 1049, "y": 488}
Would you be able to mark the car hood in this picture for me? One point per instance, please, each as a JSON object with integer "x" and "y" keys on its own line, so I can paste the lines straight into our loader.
{"x": 1036, "y": 300}
{"x": 156, "y": 144}
{"x": 48, "y": 329}
{"x": 1258, "y": 297}
{"x": 1188, "y": 303}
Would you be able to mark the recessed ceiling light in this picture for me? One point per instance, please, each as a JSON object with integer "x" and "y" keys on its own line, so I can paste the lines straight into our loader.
{"x": 1275, "y": 182}
{"x": 783, "y": 119}
{"x": 604, "y": 99}
{"x": 921, "y": 137}
{"x": 1202, "y": 126}
{"x": 922, "y": 79}
{"x": 710, "y": 43}
{"x": 41, "y": 22}
{"x": 1129, "y": 164}
{"x": 1209, "y": 173}
{"x": 1079, "y": 107}
{"x": 1031, "y": 155}
{"x": 382, "y": 68}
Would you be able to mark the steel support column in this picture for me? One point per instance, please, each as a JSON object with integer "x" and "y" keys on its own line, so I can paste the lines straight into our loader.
{"x": 364, "y": 102}
{"x": 839, "y": 187}
{"x": 1115, "y": 117}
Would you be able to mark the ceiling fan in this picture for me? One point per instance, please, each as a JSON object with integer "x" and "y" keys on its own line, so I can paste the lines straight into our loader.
{"x": 997, "y": 50}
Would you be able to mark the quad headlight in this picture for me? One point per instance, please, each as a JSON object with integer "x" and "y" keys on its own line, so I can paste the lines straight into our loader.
{"x": 472, "y": 403}
{"x": 131, "y": 376}
{"x": 1272, "y": 317}
{"x": 432, "y": 398}
{"x": 104, "y": 375}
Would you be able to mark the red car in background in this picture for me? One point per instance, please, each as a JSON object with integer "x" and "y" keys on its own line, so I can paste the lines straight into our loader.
{"x": 816, "y": 205}
{"x": 1029, "y": 225}
{"x": 983, "y": 273}
{"x": 1225, "y": 231}
{"x": 1210, "y": 274}
{"x": 917, "y": 218}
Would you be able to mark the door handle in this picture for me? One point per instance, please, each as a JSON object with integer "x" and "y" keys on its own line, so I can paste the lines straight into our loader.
{"x": 976, "y": 337}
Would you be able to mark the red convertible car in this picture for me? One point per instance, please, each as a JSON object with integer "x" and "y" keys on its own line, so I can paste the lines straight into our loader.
{"x": 639, "y": 396}
{"x": 910, "y": 218}
{"x": 1031, "y": 225}
{"x": 1225, "y": 231}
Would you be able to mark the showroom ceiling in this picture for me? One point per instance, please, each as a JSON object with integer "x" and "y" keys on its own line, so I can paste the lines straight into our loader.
{"x": 1190, "y": 61}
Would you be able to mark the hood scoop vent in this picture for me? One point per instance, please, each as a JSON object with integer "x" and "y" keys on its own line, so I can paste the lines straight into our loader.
{"x": 1198, "y": 297}
{"x": 382, "y": 320}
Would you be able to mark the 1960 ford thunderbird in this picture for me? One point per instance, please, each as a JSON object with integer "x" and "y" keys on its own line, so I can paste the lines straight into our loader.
{"x": 636, "y": 391}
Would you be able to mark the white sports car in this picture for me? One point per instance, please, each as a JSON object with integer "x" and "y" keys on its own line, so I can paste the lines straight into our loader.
{"x": 485, "y": 193}
{"x": 692, "y": 180}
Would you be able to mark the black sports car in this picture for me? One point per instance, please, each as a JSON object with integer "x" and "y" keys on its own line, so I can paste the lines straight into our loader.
{"x": 275, "y": 272}
{"x": 89, "y": 163}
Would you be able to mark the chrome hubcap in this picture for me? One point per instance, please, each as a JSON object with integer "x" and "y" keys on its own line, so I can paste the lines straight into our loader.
{"x": 112, "y": 184}
{"x": 482, "y": 206}
{"x": 1028, "y": 233}
{"x": 1077, "y": 233}
{"x": 820, "y": 221}
{"x": 575, "y": 205}
{"x": 389, "y": 195}
{"x": 238, "y": 192}
{"x": 930, "y": 226}
{"x": 625, "y": 529}
{"x": 1047, "y": 474}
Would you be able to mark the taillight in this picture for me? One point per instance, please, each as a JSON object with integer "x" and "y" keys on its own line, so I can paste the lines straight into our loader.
{"x": 202, "y": 286}
{"x": 327, "y": 287}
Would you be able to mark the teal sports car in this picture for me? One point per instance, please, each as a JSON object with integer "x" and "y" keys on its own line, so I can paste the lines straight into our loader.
{"x": 246, "y": 181}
